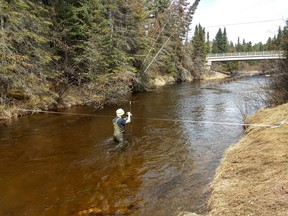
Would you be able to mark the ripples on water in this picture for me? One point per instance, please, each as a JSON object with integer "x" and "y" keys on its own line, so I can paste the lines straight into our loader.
{"x": 61, "y": 165}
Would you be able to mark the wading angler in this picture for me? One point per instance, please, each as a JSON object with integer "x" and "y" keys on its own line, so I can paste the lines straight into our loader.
{"x": 119, "y": 123}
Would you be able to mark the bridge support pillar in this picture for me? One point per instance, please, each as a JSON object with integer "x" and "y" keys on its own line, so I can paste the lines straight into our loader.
{"x": 208, "y": 65}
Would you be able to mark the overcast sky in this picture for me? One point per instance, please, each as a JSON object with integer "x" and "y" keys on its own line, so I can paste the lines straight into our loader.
{"x": 252, "y": 20}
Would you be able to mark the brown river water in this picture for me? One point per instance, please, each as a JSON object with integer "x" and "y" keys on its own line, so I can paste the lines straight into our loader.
{"x": 54, "y": 164}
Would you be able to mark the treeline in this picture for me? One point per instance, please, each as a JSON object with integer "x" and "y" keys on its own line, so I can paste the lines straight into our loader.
{"x": 101, "y": 50}
{"x": 203, "y": 45}
{"x": 102, "y": 47}
{"x": 221, "y": 43}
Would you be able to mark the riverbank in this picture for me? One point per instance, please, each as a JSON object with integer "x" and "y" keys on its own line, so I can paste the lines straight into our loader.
{"x": 103, "y": 92}
{"x": 252, "y": 178}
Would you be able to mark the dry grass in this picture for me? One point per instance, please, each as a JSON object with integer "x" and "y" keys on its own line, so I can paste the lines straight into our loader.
{"x": 253, "y": 177}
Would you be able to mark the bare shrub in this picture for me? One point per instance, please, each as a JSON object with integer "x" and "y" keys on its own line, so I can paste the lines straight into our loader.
{"x": 253, "y": 100}
{"x": 110, "y": 88}
{"x": 278, "y": 84}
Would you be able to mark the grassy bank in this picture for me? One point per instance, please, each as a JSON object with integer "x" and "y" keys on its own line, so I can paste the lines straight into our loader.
{"x": 252, "y": 178}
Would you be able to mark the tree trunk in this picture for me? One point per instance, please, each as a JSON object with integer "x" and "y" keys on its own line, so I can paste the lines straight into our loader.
{"x": 1, "y": 23}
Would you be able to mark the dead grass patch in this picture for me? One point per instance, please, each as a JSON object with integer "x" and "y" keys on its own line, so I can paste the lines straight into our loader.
{"x": 253, "y": 176}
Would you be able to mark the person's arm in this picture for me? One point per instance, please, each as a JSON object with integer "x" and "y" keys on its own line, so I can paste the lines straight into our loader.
{"x": 128, "y": 120}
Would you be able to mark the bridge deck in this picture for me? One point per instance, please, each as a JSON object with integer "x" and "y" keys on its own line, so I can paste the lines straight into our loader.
{"x": 245, "y": 56}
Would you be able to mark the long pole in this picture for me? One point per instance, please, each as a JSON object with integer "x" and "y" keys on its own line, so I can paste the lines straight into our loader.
{"x": 157, "y": 54}
{"x": 130, "y": 117}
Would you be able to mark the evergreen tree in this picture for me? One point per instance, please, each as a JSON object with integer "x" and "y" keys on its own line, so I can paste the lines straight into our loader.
{"x": 231, "y": 47}
{"x": 258, "y": 47}
{"x": 279, "y": 39}
{"x": 157, "y": 26}
{"x": 238, "y": 46}
{"x": 208, "y": 43}
{"x": 73, "y": 22}
{"x": 199, "y": 46}
{"x": 243, "y": 46}
{"x": 224, "y": 42}
{"x": 249, "y": 47}
{"x": 46, "y": 44}
{"x": 269, "y": 44}
{"x": 199, "y": 49}
{"x": 166, "y": 30}
{"x": 220, "y": 43}
{"x": 25, "y": 49}
{"x": 216, "y": 42}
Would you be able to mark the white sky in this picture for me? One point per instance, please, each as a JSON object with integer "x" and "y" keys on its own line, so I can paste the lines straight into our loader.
{"x": 221, "y": 13}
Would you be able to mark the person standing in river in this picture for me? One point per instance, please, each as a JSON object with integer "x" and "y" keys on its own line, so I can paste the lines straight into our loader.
{"x": 119, "y": 123}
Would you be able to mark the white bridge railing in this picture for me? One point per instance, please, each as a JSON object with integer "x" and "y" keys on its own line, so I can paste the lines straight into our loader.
{"x": 245, "y": 56}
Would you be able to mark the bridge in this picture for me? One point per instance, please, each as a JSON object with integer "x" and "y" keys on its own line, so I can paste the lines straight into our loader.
{"x": 242, "y": 56}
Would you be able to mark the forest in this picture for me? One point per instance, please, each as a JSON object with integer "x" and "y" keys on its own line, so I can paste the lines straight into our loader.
{"x": 67, "y": 52}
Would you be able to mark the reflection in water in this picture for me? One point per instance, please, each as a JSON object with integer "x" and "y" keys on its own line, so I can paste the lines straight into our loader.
{"x": 65, "y": 165}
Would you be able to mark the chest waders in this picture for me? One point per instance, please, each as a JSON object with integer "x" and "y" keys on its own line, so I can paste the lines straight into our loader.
{"x": 118, "y": 131}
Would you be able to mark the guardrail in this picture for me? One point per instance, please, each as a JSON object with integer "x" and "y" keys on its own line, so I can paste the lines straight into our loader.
{"x": 245, "y": 54}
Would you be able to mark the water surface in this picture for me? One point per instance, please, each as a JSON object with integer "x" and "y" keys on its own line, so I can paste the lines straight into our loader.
{"x": 53, "y": 164}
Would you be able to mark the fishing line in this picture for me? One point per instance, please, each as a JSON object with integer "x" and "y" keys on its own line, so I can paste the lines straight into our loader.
{"x": 212, "y": 122}
{"x": 65, "y": 113}
{"x": 162, "y": 119}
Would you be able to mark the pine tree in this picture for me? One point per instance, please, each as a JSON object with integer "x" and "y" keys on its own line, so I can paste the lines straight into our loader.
{"x": 199, "y": 45}
{"x": 158, "y": 34}
{"x": 224, "y": 42}
{"x": 216, "y": 45}
{"x": 238, "y": 46}
{"x": 73, "y": 22}
{"x": 258, "y": 47}
{"x": 199, "y": 50}
{"x": 168, "y": 27}
{"x": 249, "y": 47}
{"x": 115, "y": 36}
{"x": 25, "y": 49}
{"x": 279, "y": 39}
{"x": 208, "y": 43}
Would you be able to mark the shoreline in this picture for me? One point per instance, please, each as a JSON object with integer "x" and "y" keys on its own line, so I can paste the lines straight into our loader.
{"x": 252, "y": 177}
{"x": 78, "y": 96}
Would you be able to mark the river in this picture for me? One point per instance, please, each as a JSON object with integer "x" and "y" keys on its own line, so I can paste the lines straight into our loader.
{"x": 56, "y": 164}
